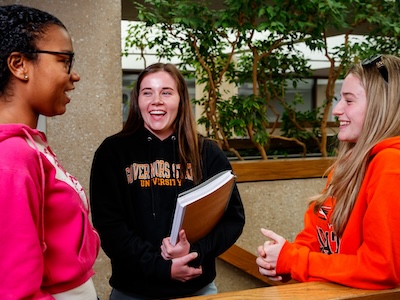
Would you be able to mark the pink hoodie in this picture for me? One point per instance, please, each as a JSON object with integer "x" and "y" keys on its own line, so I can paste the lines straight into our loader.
{"x": 47, "y": 244}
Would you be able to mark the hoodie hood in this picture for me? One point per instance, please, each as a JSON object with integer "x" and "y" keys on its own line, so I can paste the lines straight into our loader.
{"x": 26, "y": 132}
{"x": 12, "y": 130}
{"x": 393, "y": 143}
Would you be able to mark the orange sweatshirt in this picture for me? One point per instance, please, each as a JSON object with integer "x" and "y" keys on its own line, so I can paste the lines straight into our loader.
{"x": 367, "y": 255}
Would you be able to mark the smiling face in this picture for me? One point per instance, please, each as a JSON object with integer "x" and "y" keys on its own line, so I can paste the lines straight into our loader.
{"x": 49, "y": 81}
{"x": 159, "y": 103}
{"x": 351, "y": 109}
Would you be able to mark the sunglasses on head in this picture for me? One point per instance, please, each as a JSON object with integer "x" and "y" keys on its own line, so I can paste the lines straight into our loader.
{"x": 376, "y": 60}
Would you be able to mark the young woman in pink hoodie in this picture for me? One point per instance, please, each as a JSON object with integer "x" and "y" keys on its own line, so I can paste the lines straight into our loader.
{"x": 47, "y": 244}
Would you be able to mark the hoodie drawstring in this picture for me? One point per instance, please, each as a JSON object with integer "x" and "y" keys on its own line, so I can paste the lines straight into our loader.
{"x": 173, "y": 138}
{"x": 153, "y": 204}
{"x": 149, "y": 139}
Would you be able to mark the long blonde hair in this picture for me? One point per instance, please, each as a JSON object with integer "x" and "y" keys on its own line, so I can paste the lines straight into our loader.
{"x": 382, "y": 120}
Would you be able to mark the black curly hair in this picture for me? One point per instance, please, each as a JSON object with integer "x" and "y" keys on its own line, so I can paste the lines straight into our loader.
{"x": 20, "y": 29}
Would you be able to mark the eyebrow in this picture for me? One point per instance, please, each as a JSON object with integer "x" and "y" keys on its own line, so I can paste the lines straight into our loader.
{"x": 163, "y": 88}
{"x": 349, "y": 94}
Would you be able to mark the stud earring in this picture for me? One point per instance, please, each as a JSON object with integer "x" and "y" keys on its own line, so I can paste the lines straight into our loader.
{"x": 25, "y": 76}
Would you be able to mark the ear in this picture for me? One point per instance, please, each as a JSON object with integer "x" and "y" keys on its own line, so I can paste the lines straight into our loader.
{"x": 18, "y": 65}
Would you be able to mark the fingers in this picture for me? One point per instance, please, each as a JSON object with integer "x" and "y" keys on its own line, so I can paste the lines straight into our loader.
{"x": 191, "y": 256}
{"x": 266, "y": 272}
{"x": 181, "y": 271}
{"x": 272, "y": 235}
{"x": 191, "y": 273}
{"x": 169, "y": 251}
{"x": 165, "y": 246}
{"x": 269, "y": 253}
{"x": 275, "y": 278}
{"x": 262, "y": 263}
{"x": 268, "y": 243}
{"x": 182, "y": 236}
{"x": 267, "y": 269}
{"x": 261, "y": 252}
{"x": 163, "y": 256}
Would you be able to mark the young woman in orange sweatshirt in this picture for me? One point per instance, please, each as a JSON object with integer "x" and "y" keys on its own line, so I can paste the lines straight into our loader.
{"x": 352, "y": 229}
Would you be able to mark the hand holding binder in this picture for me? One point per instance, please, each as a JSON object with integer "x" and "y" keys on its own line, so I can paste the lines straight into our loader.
{"x": 200, "y": 208}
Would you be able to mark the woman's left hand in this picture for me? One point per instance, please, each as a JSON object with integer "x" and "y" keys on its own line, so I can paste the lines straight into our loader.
{"x": 182, "y": 248}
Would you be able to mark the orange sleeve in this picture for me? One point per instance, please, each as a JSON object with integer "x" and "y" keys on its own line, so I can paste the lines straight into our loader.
{"x": 306, "y": 239}
{"x": 373, "y": 262}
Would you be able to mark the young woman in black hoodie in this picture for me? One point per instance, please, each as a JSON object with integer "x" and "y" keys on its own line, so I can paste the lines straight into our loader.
{"x": 136, "y": 177}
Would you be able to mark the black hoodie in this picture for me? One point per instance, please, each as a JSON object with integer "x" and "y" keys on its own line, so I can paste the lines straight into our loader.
{"x": 134, "y": 185}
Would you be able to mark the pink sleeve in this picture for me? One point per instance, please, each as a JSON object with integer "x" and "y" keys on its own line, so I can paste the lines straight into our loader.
{"x": 21, "y": 257}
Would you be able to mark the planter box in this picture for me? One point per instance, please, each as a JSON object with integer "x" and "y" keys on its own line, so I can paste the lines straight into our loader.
{"x": 275, "y": 169}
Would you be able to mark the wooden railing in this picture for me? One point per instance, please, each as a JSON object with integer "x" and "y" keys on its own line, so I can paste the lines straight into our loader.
{"x": 277, "y": 169}
{"x": 246, "y": 262}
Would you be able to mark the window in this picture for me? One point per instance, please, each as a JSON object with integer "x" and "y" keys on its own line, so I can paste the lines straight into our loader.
{"x": 305, "y": 88}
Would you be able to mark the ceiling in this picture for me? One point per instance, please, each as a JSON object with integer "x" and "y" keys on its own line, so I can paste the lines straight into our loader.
{"x": 129, "y": 13}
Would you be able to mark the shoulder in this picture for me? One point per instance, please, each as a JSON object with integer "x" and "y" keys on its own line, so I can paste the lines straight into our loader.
{"x": 121, "y": 148}
{"x": 117, "y": 141}
{"x": 11, "y": 144}
{"x": 207, "y": 142}
{"x": 388, "y": 158}
{"x": 211, "y": 148}
{"x": 211, "y": 145}
{"x": 214, "y": 158}
{"x": 386, "y": 150}
{"x": 15, "y": 151}
{"x": 384, "y": 165}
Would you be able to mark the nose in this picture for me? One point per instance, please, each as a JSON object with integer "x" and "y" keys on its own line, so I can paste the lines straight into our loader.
{"x": 75, "y": 76}
{"x": 337, "y": 110}
{"x": 157, "y": 100}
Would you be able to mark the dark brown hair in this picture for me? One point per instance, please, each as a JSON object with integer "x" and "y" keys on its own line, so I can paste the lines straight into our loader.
{"x": 184, "y": 125}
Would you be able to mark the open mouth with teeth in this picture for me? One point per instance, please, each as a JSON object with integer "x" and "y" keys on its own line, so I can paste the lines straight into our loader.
{"x": 344, "y": 123}
{"x": 68, "y": 95}
{"x": 157, "y": 113}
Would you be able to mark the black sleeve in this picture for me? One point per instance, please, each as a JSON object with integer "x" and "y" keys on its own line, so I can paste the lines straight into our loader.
{"x": 230, "y": 227}
{"x": 110, "y": 217}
